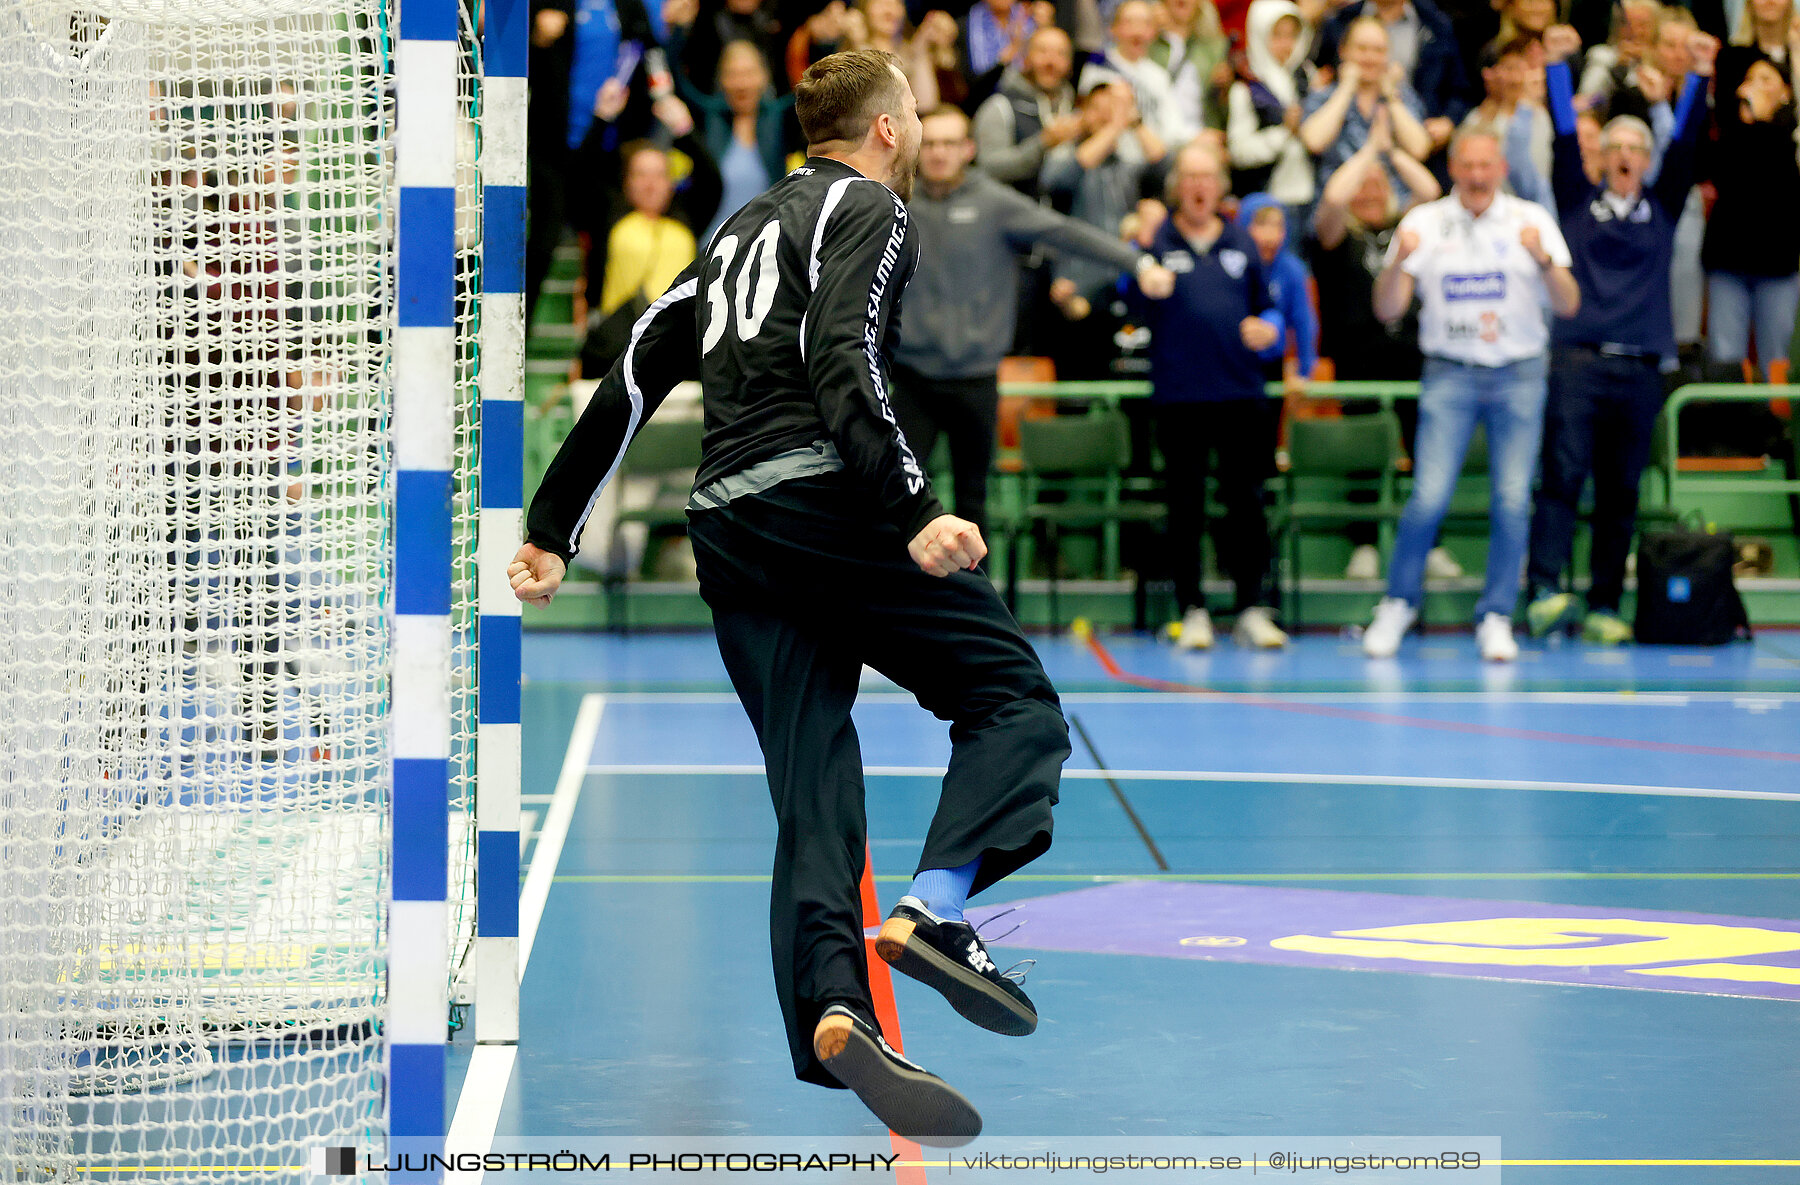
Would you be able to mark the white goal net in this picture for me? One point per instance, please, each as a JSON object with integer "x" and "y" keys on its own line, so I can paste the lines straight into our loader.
{"x": 196, "y": 308}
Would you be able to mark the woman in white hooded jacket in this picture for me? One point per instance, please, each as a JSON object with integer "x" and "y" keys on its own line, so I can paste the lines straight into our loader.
{"x": 1264, "y": 109}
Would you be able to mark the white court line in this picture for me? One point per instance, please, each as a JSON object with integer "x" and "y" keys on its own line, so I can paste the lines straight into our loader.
{"x": 478, "y": 1106}
{"x": 1226, "y": 775}
{"x": 556, "y": 824}
{"x": 491, "y": 1066}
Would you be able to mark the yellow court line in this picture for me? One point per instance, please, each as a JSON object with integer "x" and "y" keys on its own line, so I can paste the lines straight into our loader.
{"x": 950, "y": 1164}
{"x": 1653, "y": 1164}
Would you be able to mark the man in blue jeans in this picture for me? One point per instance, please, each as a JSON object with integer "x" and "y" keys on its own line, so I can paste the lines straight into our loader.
{"x": 1485, "y": 266}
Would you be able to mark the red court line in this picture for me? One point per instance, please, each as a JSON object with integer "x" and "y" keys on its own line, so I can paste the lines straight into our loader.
{"x": 881, "y": 990}
{"x": 1117, "y": 672}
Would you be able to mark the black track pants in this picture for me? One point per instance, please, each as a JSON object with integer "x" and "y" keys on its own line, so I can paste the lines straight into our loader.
{"x": 806, "y": 585}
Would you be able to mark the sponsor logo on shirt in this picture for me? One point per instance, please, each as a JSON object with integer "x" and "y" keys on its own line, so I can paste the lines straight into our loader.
{"x": 1485, "y": 286}
{"x": 1489, "y": 327}
{"x": 1179, "y": 262}
{"x": 1234, "y": 262}
{"x": 962, "y": 215}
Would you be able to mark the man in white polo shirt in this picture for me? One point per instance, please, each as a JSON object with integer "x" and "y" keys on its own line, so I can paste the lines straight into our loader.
{"x": 1486, "y": 266}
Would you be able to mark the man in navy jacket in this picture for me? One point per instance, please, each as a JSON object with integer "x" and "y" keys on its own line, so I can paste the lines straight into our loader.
{"x": 1207, "y": 394}
{"x": 1606, "y": 362}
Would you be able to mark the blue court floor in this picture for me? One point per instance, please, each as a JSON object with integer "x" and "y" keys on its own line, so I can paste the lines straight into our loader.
{"x": 1291, "y": 894}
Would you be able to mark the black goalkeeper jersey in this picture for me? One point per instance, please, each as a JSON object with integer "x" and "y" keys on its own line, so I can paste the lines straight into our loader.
{"x": 789, "y": 321}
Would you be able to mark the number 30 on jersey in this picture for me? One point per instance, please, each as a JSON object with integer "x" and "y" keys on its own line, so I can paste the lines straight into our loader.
{"x": 753, "y": 288}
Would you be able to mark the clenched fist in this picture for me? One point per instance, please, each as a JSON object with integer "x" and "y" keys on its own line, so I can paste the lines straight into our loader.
{"x": 1258, "y": 334}
{"x": 535, "y": 575}
{"x": 1156, "y": 281}
{"x": 1409, "y": 242}
{"x": 1561, "y": 42}
{"x": 947, "y": 544}
{"x": 1533, "y": 242}
{"x": 1704, "y": 48}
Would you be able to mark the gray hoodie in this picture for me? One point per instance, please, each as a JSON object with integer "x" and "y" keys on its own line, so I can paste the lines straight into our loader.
{"x": 961, "y": 308}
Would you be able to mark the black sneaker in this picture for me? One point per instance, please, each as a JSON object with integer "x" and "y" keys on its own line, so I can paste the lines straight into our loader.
{"x": 913, "y": 1102}
{"x": 951, "y": 957}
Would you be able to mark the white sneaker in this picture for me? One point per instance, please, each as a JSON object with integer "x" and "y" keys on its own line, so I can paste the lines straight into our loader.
{"x": 1393, "y": 617}
{"x": 1196, "y": 630}
{"x": 1441, "y": 565}
{"x": 1494, "y": 638}
{"x": 1365, "y": 563}
{"x": 1256, "y": 630}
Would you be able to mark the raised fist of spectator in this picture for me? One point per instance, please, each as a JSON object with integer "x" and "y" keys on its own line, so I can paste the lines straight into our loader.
{"x": 1258, "y": 334}
{"x": 1151, "y": 214}
{"x": 1064, "y": 296}
{"x": 1561, "y": 42}
{"x": 548, "y": 26}
{"x": 611, "y": 100}
{"x": 673, "y": 114}
{"x": 1704, "y": 49}
{"x": 1440, "y": 128}
{"x": 1532, "y": 240}
{"x": 680, "y": 13}
{"x": 1409, "y": 242}
{"x": 1653, "y": 84}
{"x": 1156, "y": 281}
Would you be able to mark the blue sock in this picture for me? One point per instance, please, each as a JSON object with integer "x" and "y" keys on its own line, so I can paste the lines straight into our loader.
{"x": 945, "y": 891}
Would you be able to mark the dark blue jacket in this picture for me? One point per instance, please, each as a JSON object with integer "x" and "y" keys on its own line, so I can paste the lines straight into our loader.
{"x": 1196, "y": 351}
{"x": 1438, "y": 76}
{"x": 1622, "y": 264}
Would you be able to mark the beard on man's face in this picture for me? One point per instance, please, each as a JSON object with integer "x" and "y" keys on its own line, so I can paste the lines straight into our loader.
{"x": 906, "y": 168}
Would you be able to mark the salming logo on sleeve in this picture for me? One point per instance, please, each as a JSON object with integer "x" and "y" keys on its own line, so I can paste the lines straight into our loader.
{"x": 890, "y": 258}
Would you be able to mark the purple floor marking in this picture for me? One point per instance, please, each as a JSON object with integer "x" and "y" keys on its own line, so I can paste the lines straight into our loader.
{"x": 1632, "y": 948}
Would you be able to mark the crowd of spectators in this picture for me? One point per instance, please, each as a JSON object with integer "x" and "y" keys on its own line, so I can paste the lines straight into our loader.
{"x": 1547, "y": 210}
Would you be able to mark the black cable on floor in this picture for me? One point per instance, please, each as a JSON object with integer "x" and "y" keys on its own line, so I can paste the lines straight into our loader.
{"x": 1162, "y": 865}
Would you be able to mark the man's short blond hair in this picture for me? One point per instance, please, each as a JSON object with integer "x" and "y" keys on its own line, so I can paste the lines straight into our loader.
{"x": 840, "y": 96}
{"x": 1477, "y": 131}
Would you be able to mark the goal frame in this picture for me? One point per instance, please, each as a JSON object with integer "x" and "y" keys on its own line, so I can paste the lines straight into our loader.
{"x": 423, "y": 432}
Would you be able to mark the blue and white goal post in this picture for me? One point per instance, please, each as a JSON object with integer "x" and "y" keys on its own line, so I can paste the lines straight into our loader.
{"x": 458, "y": 447}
